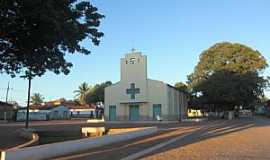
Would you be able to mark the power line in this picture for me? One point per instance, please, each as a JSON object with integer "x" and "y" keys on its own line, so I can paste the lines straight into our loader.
{"x": 7, "y": 91}
{"x": 17, "y": 90}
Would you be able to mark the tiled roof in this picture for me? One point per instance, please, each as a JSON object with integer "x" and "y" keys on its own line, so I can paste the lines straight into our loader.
{"x": 6, "y": 106}
{"x": 78, "y": 106}
{"x": 43, "y": 107}
{"x": 68, "y": 104}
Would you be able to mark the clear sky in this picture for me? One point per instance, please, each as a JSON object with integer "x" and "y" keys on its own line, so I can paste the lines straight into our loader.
{"x": 172, "y": 33}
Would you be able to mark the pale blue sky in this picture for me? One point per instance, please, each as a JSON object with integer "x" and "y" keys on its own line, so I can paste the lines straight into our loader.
{"x": 172, "y": 33}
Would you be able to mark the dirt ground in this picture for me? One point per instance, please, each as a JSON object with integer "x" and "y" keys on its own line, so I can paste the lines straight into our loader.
{"x": 236, "y": 140}
{"x": 9, "y": 136}
{"x": 242, "y": 139}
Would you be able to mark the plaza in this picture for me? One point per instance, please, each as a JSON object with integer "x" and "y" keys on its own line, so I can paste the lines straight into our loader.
{"x": 220, "y": 139}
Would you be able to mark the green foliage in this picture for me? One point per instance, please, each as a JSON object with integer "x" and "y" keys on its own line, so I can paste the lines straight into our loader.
{"x": 263, "y": 99}
{"x": 35, "y": 35}
{"x": 229, "y": 89}
{"x": 81, "y": 93}
{"x": 228, "y": 75}
{"x": 181, "y": 86}
{"x": 37, "y": 98}
{"x": 96, "y": 94}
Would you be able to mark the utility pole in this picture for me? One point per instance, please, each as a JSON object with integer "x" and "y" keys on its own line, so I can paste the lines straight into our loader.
{"x": 5, "y": 113}
{"x": 7, "y": 92}
{"x": 28, "y": 100}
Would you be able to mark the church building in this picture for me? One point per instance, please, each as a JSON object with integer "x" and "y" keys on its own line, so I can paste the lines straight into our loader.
{"x": 137, "y": 98}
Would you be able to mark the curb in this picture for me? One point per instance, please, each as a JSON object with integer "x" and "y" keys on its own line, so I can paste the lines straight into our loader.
{"x": 26, "y": 134}
{"x": 48, "y": 151}
{"x": 141, "y": 122}
{"x": 35, "y": 139}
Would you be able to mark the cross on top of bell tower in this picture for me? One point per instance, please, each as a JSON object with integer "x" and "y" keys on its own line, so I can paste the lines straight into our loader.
{"x": 133, "y": 50}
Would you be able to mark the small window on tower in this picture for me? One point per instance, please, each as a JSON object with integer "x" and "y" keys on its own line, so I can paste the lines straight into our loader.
{"x": 132, "y": 60}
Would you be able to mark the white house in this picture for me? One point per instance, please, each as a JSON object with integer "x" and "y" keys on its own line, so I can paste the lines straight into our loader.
{"x": 82, "y": 111}
{"x": 137, "y": 98}
{"x": 44, "y": 113}
{"x": 78, "y": 110}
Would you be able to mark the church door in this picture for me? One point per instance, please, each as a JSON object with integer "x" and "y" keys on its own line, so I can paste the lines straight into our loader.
{"x": 112, "y": 113}
{"x": 156, "y": 111}
{"x": 134, "y": 113}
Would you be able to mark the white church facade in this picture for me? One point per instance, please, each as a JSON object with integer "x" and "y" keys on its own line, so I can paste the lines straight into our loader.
{"x": 137, "y": 98}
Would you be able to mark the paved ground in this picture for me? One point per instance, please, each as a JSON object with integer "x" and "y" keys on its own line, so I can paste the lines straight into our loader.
{"x": 211, "y": 140}
{"x": 237, "y": 140}
{"x": 123, "y": 149}
{"x": 216, "y": 140}
{"x": 9, "y": 136}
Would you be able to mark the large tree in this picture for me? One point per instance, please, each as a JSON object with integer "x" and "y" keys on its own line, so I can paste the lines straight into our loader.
{"x": 181, "y": 86}
{"x": 96, "y": 94}
{"x": 228, "y": 75}
{"x": 35, "y": 35}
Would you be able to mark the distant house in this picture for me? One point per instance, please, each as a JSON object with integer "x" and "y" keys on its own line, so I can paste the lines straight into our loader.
{"x": 81, "y": 111}
{"x": 84, "y": 111}
{"x": 43, "y": 112}
{"x": 78, "y": 110}
{"x": 62, "y": 109}
{"x": 7, "y": 111}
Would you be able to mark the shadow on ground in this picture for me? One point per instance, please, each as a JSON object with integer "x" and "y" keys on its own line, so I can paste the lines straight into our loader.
{"x": 214, "y": 130}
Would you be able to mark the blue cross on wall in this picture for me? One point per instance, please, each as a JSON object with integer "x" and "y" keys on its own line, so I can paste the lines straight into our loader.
{"x": 133, "y": 91}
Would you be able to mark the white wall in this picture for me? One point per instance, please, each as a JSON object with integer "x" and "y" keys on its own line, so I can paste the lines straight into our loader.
{"x": 157, "y": 95}
{"x": 177, "y": 104}
{"x": 60, "y": 112}
{"x": 21, "y": 116}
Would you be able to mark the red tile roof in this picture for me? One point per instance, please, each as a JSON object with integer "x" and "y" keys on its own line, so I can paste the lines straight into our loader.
{"x": 68, "y": 104}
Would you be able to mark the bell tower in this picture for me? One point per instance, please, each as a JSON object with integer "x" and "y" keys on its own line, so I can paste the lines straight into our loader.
{"x": 134, "y": 67}
{"x": 134, "y": 77}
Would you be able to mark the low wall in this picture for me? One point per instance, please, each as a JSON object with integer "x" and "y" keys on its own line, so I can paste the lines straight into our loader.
{"x": 48, "y": 151}
{"x": 21, "y": 116}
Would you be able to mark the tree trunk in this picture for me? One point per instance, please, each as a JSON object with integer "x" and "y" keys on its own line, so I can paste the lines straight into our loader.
{"x": 28, "y": 102}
